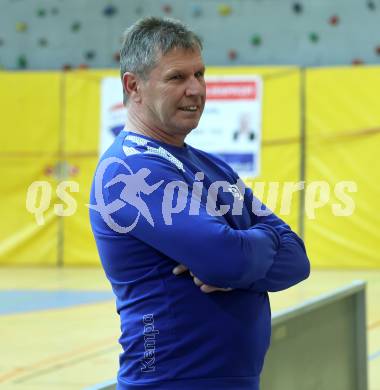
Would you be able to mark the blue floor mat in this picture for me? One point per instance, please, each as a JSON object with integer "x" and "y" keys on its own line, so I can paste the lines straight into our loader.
{"x": 21, "y": 301}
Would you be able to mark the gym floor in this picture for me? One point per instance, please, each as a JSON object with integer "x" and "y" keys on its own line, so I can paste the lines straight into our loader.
{"x": 59, "y": 327}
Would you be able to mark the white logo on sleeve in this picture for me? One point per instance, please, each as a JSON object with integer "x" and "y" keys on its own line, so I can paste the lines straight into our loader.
{"x": 235, "y": 191}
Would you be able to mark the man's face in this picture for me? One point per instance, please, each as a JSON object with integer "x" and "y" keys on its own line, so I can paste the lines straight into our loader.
{"x": 174, "y": 95}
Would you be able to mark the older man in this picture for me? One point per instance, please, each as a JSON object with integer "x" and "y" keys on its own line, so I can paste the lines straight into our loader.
{"x": 190, "y": 256}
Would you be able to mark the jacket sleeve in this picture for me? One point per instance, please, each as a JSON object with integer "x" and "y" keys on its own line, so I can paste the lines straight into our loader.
{"x": 290, "y": 264}
{"x": 216, "y": 253}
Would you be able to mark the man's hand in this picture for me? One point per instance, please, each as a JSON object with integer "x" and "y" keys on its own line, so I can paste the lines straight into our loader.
{"x": 179, "y": 269}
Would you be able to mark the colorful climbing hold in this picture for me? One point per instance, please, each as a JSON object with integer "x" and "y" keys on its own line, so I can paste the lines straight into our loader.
{"x": 109, "y": 10}
{"x": 22, "y": 62}
{"x": 232, "y": 54}
{"x": 224, "y": 10}
{"x": 90, "y": 55}
{"x": 76, "y": 26}
{"x": 41, "y": 12}
{"x": 21, "y": 27}
{"x": 334, "y": 20}
{"x": 116, "y": 56}
{"x": 167, "y": 9}
{"x": 371, "y": 5}
{"x": 66, "y": 67}
{"x": 196, "y": 11}
{"x": 357, "y": 61}
{"x": 297, "y": 8}
{"x": 377, "y": 50}
{"x": 314, "y": 37}
{"x": 43, "y": 42}
{"x": 256, "y": 40}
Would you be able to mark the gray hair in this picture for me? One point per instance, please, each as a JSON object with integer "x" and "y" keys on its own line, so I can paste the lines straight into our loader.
{"x": 150, "y": 37}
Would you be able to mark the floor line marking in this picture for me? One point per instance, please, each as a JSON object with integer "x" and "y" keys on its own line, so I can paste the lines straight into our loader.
{"x": 373, "y": 325}
{"x": 51, "y": 360}
{"x": 100, "y": 386}
{"x": 374, "y": 355}
{"x": 59, "y": 366}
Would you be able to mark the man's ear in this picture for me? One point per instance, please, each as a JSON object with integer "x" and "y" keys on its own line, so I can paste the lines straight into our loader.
{"x": 131, "y": 84}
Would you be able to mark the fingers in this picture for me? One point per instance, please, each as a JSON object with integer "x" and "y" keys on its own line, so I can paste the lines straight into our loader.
{"x": 179, "y": 269}
{"x": 209, "y": 289}
{"x": 197, "y": 281}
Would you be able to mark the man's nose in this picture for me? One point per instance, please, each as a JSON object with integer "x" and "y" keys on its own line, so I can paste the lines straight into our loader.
{"x": 195, "y": 87}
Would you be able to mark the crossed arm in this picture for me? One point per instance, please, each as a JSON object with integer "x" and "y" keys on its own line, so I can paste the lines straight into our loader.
{"x": 290, "y": 263}
{"x": 267, "y": 256}
{"x": 179, "y": 269}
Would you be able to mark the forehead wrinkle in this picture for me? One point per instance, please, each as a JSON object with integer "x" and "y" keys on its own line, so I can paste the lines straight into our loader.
{"x": 178, "y": 68}
{"x": 177, "y": 60}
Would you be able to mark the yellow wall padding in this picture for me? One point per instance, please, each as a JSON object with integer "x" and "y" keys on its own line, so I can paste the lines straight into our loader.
{"x": 79, "y": 244}
{"x": 47, "y": 118}
{"x": 343, "y": 126}
{"x": 30, "y": 112}
{"x": 82, "y": 110}
{"x": 280, "y": 157}
{"x": 54, "y": 117}
{"x": 29, "y": 143}
{"x": 22, "y": 240}
{"x": 82, "y": 121}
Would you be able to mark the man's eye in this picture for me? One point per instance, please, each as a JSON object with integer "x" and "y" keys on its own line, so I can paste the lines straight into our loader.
{"x": 199, "y": 74}
{"x": 176, "y": 77}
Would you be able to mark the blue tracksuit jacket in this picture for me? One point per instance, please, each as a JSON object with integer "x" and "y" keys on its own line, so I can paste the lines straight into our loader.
{"x": 156, "y": 205}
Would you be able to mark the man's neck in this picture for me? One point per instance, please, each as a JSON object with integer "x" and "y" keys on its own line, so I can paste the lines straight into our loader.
{"x": 138, "y": 126}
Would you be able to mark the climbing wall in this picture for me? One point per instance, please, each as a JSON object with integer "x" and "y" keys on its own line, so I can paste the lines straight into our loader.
{"x": 56, "y": 34}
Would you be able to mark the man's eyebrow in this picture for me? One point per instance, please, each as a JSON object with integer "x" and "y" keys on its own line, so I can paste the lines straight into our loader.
{"x": 172, "y": 71}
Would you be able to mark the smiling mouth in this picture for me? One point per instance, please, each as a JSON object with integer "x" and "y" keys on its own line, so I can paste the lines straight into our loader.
{"x": 189, "y": 108}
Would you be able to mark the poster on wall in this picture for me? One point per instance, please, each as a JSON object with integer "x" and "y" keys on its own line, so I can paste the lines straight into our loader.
{"x": 230, "y": 125}
{"x": 231, "y": 122}
{"x": 112, "y": 111}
